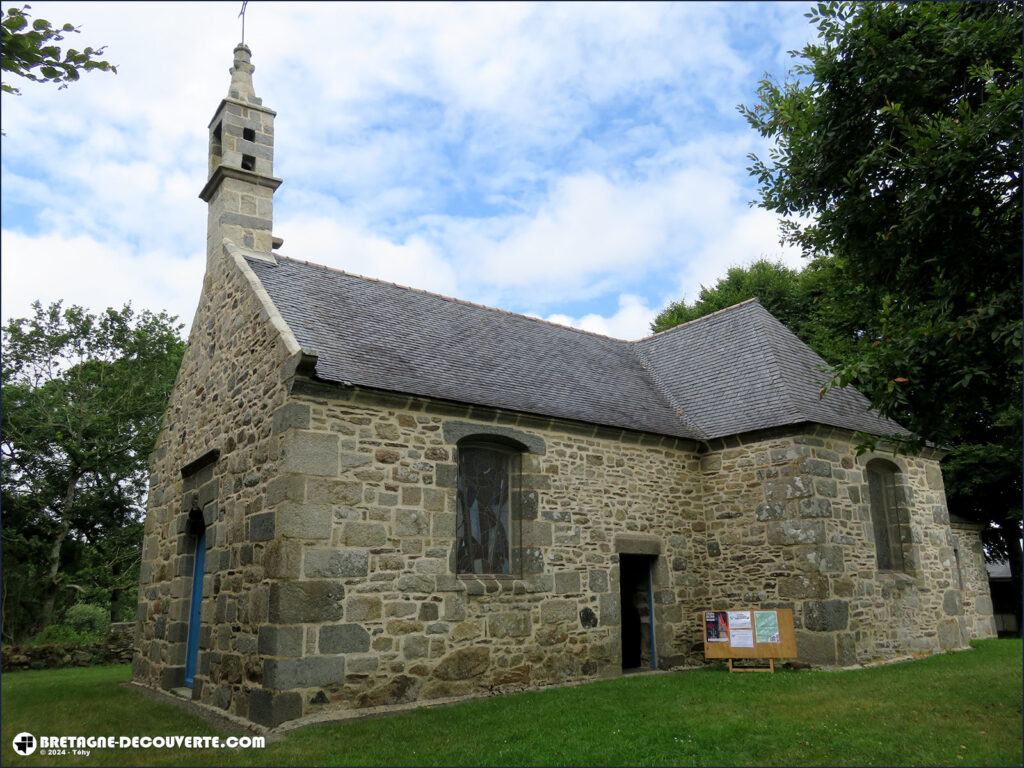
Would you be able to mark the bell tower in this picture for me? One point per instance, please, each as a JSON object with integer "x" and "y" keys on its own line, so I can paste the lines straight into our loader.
{"x": 241, "y": 183}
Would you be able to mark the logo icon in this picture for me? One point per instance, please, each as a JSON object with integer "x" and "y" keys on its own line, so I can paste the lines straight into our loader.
{"x": 25, "y": 744}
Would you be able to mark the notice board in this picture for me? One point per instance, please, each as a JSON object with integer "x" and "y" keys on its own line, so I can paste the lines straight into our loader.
{"x": 749, "y": 633}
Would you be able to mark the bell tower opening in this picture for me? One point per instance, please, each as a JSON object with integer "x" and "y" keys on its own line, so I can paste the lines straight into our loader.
{"x": 216, "y": 147}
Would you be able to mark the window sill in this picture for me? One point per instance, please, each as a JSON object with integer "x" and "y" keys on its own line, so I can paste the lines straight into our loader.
{"x": 488, "y": 576}
{"x": 900, "y": 579}
{"x": 489, "y": 584}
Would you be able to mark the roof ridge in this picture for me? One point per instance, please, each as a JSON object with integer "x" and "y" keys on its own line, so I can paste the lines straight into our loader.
{"x": 455, "y": 299}
{"x": 751, "y": 300}
{"x": 770, "y": 355}
{"x": 651, "y": 371}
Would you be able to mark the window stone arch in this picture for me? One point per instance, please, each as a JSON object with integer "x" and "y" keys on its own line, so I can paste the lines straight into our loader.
{"x": 460, "y": 431}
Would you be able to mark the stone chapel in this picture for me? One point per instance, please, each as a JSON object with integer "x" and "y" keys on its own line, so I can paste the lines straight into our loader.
{"x": 365, "y": 495}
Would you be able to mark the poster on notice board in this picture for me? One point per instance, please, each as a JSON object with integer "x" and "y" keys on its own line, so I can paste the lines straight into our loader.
{"x": 741, "y": 629}
{"x": 740, "y": 620}
{"x": 767, "y": 626}
{"x": 716, "y": 626}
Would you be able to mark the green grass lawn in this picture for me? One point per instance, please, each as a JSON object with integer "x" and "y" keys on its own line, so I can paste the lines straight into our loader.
{"x": 954, "y": 709}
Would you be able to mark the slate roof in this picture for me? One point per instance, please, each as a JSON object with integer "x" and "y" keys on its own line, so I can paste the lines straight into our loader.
{"x": 735, "y": 371}
{"x": 741, "y": 369}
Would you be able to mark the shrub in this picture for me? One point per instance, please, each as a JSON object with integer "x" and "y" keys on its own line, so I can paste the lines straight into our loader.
{"x": 65, "y": 635}
{"x": 83, "y": 623}
{"x": 88, "y": 619}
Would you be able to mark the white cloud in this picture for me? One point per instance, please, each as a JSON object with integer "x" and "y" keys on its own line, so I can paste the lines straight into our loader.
{"x": 524, "y": 155}
{"x": 749, "y": 236}
{"x": 348, "y": 246}
{"x": 631, "y": 322}
{"x": 689, "y": 218}
{"x": 96, "y": 275}
{"x": 588, "y": 227}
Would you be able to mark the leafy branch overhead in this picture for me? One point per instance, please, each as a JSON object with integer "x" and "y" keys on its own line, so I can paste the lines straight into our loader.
{"x": 897, "y": 140}
{"x": 28, "y": 48}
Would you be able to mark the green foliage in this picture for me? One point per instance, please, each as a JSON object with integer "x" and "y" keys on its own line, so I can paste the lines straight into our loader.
{"x": 897, "y": 137}
{"x": 29, "y": 50}
{"x": 777, "y": 286}
{"x": 83, "y": 397}
{"x": 89, "y": 619}
{"x": 897, "y": 142}
{"x": 953, "y": 709}
{"x": 83, "y": 623}
{"x": 64, "y": 634}
{"x": 902, "y": 143}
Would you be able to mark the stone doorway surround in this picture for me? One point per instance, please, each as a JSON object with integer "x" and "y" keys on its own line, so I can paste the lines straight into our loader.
{"x": 638, "y": 555}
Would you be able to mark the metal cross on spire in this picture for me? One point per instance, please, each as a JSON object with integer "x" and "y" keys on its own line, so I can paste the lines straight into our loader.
{"x": 241, "y": 15}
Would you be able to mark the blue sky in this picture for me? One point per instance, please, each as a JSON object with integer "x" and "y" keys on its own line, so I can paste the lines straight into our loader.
{"x": 584, "y": 163}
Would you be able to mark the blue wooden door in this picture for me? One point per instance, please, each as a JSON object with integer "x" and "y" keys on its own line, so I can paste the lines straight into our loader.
{"x": 192, "y": 652}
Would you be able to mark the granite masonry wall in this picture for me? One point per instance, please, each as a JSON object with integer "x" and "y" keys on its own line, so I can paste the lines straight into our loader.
{"x": 973, "y": 577}
{"x": 365, "y": 606}
{"x": 789, "y": 525}
{"x": 212, "y": 462}
{"x": 330, "y": 529}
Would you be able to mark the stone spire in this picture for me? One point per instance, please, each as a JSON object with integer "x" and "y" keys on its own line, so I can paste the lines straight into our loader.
{"x": 241, "y": 76}
{"x": 241, "y": 183}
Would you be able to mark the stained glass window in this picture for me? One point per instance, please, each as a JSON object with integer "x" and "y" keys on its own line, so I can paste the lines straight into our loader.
{"x": 482, "y": 520}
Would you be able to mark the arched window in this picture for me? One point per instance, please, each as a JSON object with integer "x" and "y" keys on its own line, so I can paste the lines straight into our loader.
{"x": 885, "y": 515}
{"x": 485, "y": 523}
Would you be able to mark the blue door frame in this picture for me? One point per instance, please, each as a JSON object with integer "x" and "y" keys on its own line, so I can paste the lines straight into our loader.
{"x": 192, "y": 650}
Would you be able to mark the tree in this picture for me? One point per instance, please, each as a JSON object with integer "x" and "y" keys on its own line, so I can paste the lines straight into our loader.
{"x": 810, "y": 302}
{"x": 898, "y": 138}
{"x": 83, "y": 397}
{"x": 773, "y": 283}
{"x": 29, "y": 51}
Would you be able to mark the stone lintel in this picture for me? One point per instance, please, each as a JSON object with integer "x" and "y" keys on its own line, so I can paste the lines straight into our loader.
{"x": 637, "y": 544}
{"x": 960, "y": 524}
{"x": 208, "y": 458}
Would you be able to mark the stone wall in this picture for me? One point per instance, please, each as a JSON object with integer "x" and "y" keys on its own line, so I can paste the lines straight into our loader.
{"x": 365, "y": 606}
{"x": 118, "y": 648}
{"x": 789, "y": 526}
{"x": 977, "y": 598}
{"x": 220, "y": 414}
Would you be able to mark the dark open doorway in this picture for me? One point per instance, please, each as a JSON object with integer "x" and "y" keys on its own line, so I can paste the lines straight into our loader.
{"x": 635, "y": 599}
